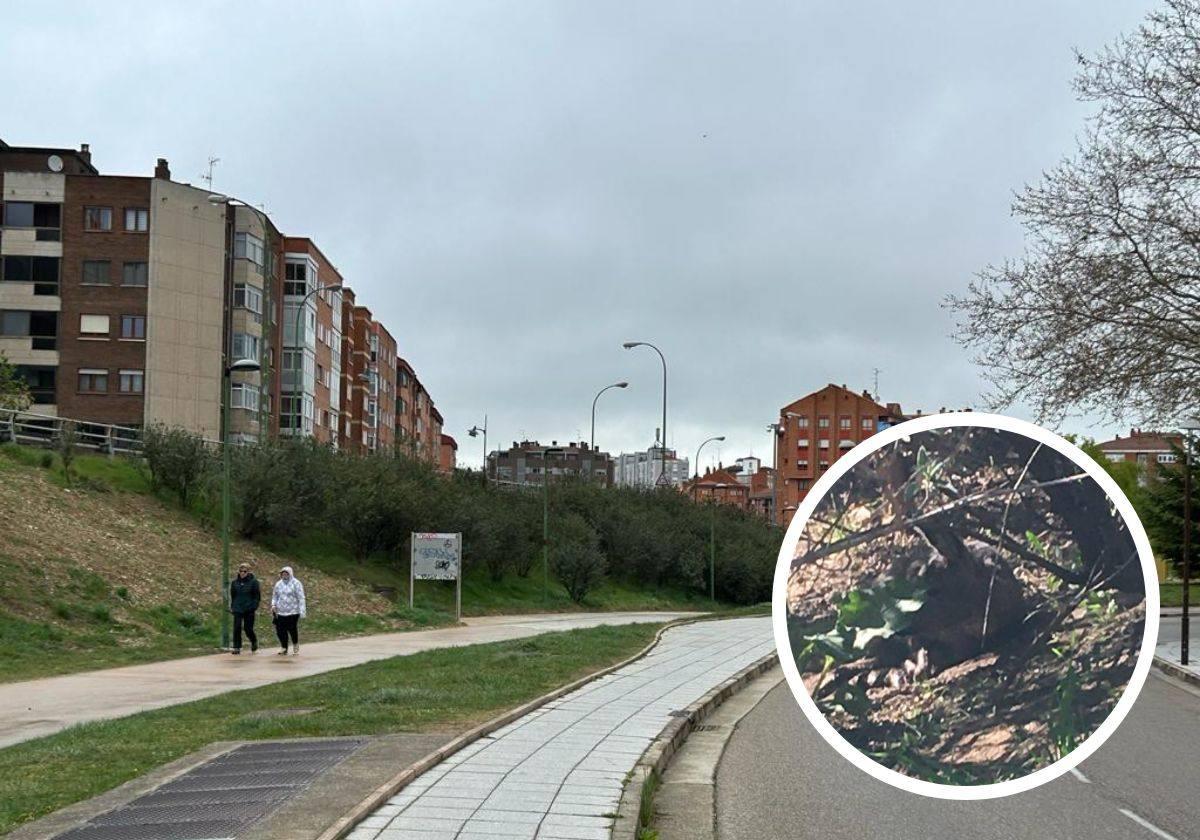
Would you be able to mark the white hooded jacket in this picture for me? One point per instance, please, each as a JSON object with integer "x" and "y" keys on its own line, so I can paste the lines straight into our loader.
{"x": 287, "y": 598}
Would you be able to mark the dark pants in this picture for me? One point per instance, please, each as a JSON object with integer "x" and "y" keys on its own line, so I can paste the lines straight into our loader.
{"x": 285, "y": 626}
{"x": 244, "y": 621}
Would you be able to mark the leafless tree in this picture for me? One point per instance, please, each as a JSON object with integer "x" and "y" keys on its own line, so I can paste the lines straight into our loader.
{"x": 1102, "y": 312}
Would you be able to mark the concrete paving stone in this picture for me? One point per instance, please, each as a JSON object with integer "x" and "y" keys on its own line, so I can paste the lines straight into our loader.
{"x": 563, "y": 767}
{"x": 426, "y": 824}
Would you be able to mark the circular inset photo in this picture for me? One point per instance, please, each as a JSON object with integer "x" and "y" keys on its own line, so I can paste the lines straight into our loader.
{"x": 965, "y": 605}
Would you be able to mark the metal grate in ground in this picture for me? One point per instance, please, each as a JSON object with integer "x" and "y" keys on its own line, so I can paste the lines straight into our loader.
{"x": 222, "y": 797}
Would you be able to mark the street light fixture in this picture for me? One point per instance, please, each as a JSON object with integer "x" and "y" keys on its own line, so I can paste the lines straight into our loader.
{"x": 601, "y": 391}
{"x": 629, "y": 345}
{"x": 696, "y": 482}
{"x": 1189, "y": 426}
{"x": 774, "y": 429}
{"x": 240, "y": 366}
{"x": 475, "y": 431}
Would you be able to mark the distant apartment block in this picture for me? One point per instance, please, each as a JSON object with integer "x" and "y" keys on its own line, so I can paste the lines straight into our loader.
{"x": 448, "y": 458}
{"x": 1150, "y": 450}
{"x": 122, "y": 299}
{"x": 530, "y": 462}
{"x": 721, "y": 486}
{"x": 642, "y": 469}
{"x": 418, "y": 422}
{"x": 816, "y": 430}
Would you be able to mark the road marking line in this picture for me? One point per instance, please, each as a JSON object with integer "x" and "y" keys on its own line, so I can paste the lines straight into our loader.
{"x": 1149, "y": 826}
{"x": 1075, "y": 772}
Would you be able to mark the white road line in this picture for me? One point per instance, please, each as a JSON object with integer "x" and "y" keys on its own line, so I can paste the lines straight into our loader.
{"x": 1149, "y": 826}
{"x": 1075, "y": 772}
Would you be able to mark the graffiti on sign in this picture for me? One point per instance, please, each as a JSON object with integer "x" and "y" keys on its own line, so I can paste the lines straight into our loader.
{"x": 436, "y": 556}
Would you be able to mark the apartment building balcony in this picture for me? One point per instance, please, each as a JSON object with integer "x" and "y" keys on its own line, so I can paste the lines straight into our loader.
{"x": 36, "y": 350}
{"x": 31, "y": 241}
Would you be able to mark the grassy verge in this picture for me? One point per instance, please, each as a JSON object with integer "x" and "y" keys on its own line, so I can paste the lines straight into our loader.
{"x": 1171, "y": 594}
{"x": 432, "y": 691}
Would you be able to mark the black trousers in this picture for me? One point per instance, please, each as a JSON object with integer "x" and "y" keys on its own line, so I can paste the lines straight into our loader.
{"x": 285, "y": 626}
{"x": 244, "y": 621}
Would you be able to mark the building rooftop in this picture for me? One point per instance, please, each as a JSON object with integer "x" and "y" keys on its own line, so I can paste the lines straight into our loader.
{"x": 1142, "y": 441}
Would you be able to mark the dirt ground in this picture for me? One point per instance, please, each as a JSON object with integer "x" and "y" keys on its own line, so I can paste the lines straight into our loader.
{"x": 954, "y": 613}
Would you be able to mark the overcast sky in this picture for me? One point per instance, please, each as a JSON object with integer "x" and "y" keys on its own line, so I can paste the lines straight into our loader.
{"x": 778, "y": 195}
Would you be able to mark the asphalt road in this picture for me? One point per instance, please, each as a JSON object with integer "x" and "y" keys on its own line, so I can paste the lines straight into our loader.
{"x": 778, "y": 778}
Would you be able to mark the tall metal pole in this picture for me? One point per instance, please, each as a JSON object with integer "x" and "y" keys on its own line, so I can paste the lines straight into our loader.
{"x": 699, "y": 449}
{"x": 712, "y": 553}
{"x": 663, "y": 452}
{"x": 774, "y": 430}
{"x": 1184, "y": 627}
{"x": 545, "y": 532}
{"x": 594, "y": 399}
{"x": 225, "y": 509}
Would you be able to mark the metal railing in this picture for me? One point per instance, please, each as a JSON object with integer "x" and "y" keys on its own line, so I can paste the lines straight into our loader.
{"x": 32, "y": 429}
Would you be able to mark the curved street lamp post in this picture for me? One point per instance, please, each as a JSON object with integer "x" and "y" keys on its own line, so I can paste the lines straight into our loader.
{"x": 629, "y": 345}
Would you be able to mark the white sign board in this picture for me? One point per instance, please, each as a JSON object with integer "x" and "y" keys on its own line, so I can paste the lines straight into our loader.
{"x": 436, "y": 556}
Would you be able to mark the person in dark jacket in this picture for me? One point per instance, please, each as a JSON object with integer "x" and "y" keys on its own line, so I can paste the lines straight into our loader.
{"x": 244, "y": 595}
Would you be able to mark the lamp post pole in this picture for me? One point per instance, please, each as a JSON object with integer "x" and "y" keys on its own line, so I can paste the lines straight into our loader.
{"x": 597, "y": 397}
{"x": 475, "y": 431}
{"x": 247, "y": 365}
{"x": 773, "y": 428}
{"x": 699, "y": 449}
{"x": 1184, "y": 624}
{"x": 628, "y": 345}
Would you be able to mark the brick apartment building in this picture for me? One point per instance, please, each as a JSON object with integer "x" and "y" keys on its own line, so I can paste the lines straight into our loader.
{"x": 816, "y": 430}
{"x": 1150, "y": 450}
{"x": 722, "y": 486}
{"x": 448, "y": 459}
{"x": 528, "y": 462}
{"x": 418, "y": 422}
{"x": 122, "y": 298}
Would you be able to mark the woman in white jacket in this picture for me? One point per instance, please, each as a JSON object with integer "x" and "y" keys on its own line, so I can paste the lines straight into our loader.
{"x": 287, "y": 608}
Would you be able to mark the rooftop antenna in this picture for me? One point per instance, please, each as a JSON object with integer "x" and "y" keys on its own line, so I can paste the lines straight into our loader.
{"x": 208, "y": 179}
{"x": 876, "y": 371}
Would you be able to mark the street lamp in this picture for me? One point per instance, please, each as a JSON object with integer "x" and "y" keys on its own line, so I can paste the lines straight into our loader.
{"x": 601, "y": 391}
{"x": 1184, "y": 624}
{"x": 629, "y": 345}
{"x": 546, "y": 522}
{"x": 695, "y": 484}
{"x": 297, "y": 385}
{"x": 475, "y": 431}
{"x": 774, "y": 428}
{"x": 712, "y": 545}
{"x": 240, "y": 366}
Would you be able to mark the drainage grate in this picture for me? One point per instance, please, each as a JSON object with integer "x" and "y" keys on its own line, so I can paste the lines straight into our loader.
{"x": 220, "y": 798}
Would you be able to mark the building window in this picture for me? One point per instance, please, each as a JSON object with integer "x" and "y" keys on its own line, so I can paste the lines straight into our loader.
{"x": 41, "y": 271}
{"x": 822, "y": 422}
{"x": 93, "y": 381}
{"x": 245, "y": 346}
{"x": 802, "y": 443}
{"x": 97, "y": 218}
{"x": 28, "y": 214}
{"x": 1167, "y": 458}
{"x": 248, "y": 298}
{"x": 868, "y": 424}
{"x": 137, "y": 219}
{"x": 95, "y": 272}
{"x": 802, "y": 464}
{"x": 295, "y": 277}
{"x": 823, "y": 444}
{"x": 801, "y": 422}
{"x": 133, "y": 327}
{"x": 93, "y": 325}
{"x": 844, "y": 423}
{"x": 135, "y": 274}
{"x": 247, "y": 246}
{"x": 244, "y": 395}
{"x": 131, "y": 382}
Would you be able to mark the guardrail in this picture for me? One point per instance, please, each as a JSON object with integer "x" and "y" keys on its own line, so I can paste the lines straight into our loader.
{"x": 32, "y": 429}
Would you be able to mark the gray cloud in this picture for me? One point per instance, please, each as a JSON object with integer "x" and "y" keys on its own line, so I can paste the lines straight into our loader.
{"x": 779, "y": 196}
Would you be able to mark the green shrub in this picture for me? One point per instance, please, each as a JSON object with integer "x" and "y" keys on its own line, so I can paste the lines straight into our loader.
{"x": 178, "y": 461}
{"x": 575, "y": 557}
{"x": 46, "y": 461}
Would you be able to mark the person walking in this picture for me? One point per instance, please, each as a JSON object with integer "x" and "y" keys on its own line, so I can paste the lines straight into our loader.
{"x": 244, "y": 597}
{"x": 288, "y": 607}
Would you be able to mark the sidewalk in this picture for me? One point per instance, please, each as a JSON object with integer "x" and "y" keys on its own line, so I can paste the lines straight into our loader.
{"x": 558, "y": 772}
{"x": 36, "y": 708}
{"x": 1169, "y": 644}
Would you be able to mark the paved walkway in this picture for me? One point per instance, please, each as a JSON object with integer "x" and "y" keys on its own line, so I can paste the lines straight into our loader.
{"x": 42, "y": 707}
{"x": 1170, "y": 644}
{"x": 558, "y": 771}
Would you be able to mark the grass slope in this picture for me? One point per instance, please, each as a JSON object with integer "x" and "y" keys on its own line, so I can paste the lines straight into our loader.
{"x": 100, "y": 572}
{"x": 444, "y": 690}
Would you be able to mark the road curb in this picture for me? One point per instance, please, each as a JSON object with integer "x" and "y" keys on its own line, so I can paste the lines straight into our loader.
{"x": 346, "y": 823}
{"x": 1177, "y": 671}
{"x": 638, "y": 791}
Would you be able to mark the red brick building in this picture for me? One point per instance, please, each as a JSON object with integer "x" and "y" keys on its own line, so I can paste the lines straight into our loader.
{"x": 1149, "y": 450}
{"x": 816, "y": 430}
{"x": 449, "y": 455}
{"x": 721, "y": 486}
